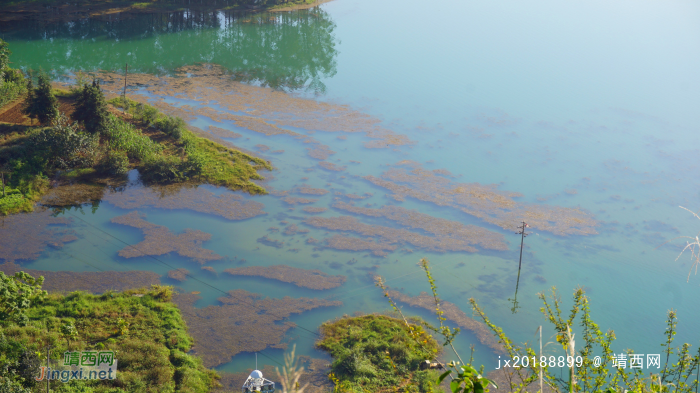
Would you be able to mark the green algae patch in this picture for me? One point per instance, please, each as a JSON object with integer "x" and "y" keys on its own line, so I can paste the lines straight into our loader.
{"x": 377, "y": 353}
{"x": 143, "y": 327}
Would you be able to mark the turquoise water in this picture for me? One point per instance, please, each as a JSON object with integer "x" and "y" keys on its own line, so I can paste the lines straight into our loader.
{"x": 538, "y": 98}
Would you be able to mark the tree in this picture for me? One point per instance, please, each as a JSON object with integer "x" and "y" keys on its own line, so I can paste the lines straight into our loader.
{"x": 29, "y": 102}
{"x": 4, "y": 58}
{"x": 91, "y": 108}
{"x": 45, "y": 103}
{"x": 16, "y": 295}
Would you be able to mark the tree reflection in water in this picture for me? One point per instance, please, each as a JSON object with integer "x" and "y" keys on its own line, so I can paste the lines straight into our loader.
{"x": 287, "y": 50}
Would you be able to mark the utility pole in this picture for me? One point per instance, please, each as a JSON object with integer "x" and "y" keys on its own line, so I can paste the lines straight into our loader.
{"x": 520, "y": 263}
{"x": 522, "y": 241}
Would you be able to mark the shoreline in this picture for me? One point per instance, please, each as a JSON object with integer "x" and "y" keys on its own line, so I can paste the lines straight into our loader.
{"x": 24, "y": 11}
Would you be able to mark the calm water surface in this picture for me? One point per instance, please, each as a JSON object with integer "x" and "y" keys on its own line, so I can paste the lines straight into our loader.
{"x": 539, "y": 98}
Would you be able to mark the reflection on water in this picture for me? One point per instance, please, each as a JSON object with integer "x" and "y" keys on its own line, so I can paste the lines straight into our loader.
{"x": 289, "y": 51}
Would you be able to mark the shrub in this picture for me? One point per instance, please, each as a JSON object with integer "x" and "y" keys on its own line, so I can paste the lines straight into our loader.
{"x": 161, "y": 168}
{"x": 123, "y": 136}
{"x": 91, "y": 108}
{"x": 114, "y": 162}
{"x": 13, "y": 76}
{"x": 63, "y": 147}
{"x": 10, "y": 90}
{"x": 149, "y": 114}
{"x": 171, "y": 125}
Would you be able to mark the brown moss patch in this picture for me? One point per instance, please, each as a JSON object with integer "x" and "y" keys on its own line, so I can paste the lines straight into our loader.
{"x": 320, "y": 152}
{"x": 242, "y": 322}
{"x": 452, "y": 313}
{"x": 93, "y": 282}
{"x": 268, "y": 241}
{"x": 25, "y": 236}
{"x": 262, "y": 148}
{"x": 229, "y": 206}
{"x": 345, "y": 243}
{"x": 158, "y": 240}
{"x": 223, "y": 133}
{"x": 449, "y": 231}
{"x": 210, "y": 270}
{"x": 484, "y": 202}
{"x": 331, "y": 166}
{"x": 389, "y": 235}
{"x": 291, "y": 230}
{"x": 311, "y": 191}
{"x": 298, "y": 201}
{"x": 314, "y": 279}
{"x": 179, "y": 274}
{"x": 313, "y": 210}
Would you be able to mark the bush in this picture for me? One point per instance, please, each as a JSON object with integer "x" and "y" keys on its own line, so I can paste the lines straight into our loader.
{"x": 63, "y": 147}
{"x": 13, "y": 76}
{"x": 171, "y": 125}
{"x": 161, "y": 168}
{"x": 115, "y": 163}
{"x": 123, "y": 136}
{"x": 91, "y": 108}
{"x": 149, "y": 114}
{"x": 9, "y": 91}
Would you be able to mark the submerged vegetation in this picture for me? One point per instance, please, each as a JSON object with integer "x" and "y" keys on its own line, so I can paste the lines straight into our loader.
{"x": 143, "y": 327}
{"x": 100, "y": 143}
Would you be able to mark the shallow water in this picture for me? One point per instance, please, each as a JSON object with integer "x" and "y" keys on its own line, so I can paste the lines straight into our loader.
{"x": 581, "y": 105}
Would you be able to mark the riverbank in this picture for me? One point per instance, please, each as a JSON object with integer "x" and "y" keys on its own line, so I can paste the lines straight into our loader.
{"x": 48, "y": 11}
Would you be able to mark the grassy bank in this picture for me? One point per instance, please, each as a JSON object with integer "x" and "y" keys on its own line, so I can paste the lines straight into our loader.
{"x": 143, "y": 327}
{"x": 376, "y": 353}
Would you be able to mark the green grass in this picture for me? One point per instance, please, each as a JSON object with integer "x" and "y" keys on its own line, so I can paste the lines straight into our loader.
{"x": 223, "y": 166}
{"x": 376, "y": 353}
{"x": 9, "y": 91}
{"x": 152, "y": 350}
{"x": 14, "y": 202}
{"x": 218, "y": 165}
{"x": 125, "y": 137}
